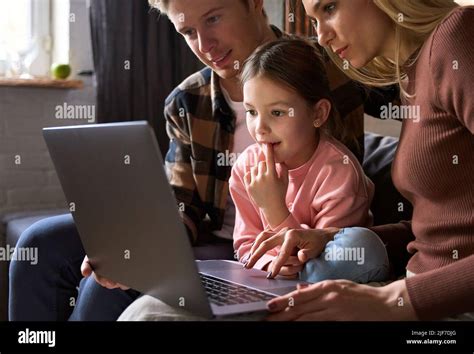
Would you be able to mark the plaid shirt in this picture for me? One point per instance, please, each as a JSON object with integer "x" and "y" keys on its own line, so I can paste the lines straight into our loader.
{"x": 200, "y": 125}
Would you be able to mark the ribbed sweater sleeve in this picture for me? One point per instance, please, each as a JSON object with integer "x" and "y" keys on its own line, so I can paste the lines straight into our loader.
{"x": 449, "y": 290}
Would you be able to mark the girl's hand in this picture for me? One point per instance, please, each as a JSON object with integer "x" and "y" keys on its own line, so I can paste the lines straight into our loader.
{"x": 343, "y": 300}
{"x": 305, "y": 243}
{"x": 268, "y": 189}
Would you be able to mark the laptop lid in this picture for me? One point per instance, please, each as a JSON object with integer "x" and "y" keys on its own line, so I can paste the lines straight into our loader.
{"x": 113, "y": 178}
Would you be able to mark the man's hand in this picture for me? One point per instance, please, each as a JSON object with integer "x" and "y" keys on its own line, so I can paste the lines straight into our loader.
{"x": 86, "y": 270}
{"x": 305, "y": 243}
{"x": 267, "y": 188}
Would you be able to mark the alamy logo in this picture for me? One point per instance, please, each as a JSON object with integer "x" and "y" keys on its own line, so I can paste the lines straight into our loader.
{"x": 350, "y": 254}
{"x": 66, "y": 111}
{"x": 37, "y": 337}
{"x": 29, "y": 254}
{"x": 227, "y": 158}
{"x": 392, "y": 111}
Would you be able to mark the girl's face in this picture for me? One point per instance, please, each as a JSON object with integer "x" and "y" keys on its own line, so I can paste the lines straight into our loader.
{"x": 277, "y": 115}
{"x": 356, "y": 30}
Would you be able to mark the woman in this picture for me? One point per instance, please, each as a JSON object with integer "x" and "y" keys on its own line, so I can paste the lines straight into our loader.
{"x": 426, "y": 47}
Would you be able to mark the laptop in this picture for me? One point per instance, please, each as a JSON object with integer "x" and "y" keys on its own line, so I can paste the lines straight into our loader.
{"x": 118, "y": 193}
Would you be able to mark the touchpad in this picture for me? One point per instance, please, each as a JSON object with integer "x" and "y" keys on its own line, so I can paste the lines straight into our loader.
{"x": 234, "y": 272}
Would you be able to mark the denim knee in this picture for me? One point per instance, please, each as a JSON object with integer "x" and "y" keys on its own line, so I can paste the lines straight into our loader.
{"x": 356, "y": 254}
{"x": 50, "y": 233}
{"x": 40, "y": 290}
{"x": 96, "y": 303}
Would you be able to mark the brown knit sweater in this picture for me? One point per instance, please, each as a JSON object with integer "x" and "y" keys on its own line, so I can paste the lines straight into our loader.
{"x": 434, "y": 170}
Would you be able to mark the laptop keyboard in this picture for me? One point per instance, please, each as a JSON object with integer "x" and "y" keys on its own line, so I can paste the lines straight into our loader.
{"x": 222, "y": 292}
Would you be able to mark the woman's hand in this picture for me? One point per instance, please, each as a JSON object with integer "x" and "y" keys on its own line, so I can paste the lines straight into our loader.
{"x": 305, "y": 243}
{"x": 86, "y": 270}
{"x": 289, "y": 270}
{"x": 268, "y": 189}
{"x": 343, "y": 300}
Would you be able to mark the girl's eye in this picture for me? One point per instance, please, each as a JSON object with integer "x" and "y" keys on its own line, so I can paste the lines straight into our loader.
{"x": 251, "y": 112}
{"x": 213, "y": 19}
{"x": 277, "y": 113}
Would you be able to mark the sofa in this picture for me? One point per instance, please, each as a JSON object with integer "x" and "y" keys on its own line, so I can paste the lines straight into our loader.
{"x": 379, "y": 153}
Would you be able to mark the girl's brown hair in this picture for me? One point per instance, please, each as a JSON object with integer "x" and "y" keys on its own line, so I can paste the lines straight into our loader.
{"x": 297, "y": 63}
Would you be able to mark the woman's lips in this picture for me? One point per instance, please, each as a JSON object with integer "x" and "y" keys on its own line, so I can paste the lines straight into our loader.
{"x": 342, "y": 52}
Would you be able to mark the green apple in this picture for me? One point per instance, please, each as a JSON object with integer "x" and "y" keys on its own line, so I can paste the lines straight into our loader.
{"x": 60, "y": 71}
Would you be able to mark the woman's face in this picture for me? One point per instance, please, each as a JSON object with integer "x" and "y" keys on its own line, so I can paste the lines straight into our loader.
{"x": 277, "y": 115}
{"x": 356, "y": 30}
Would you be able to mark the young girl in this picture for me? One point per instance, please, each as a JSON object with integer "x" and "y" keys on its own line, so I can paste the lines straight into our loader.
{"x": 297, "y": 175}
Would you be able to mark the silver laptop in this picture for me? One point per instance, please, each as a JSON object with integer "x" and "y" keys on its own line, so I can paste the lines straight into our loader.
{"x": 128, "y": 220}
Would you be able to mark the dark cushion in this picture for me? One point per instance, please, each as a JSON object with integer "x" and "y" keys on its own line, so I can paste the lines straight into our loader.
{"x": 16, "y": 223}
{"x": 378, "y": 157}
{"x": 11, "y": 227}
{"x": 214, "y": 249}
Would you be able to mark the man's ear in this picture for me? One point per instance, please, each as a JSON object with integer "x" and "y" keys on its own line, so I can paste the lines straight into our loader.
{"x": 321, "y": 112}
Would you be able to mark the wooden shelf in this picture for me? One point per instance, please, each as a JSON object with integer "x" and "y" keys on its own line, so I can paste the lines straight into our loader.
{"x": 42, "y": 82}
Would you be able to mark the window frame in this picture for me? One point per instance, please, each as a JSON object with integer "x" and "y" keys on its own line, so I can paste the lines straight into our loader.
{"x": 41, "y": 28}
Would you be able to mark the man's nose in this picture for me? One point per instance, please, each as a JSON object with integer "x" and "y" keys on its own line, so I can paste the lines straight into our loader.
{"x": 206, "y": 43}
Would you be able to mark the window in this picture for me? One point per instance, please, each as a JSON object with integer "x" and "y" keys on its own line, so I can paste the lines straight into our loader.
{"x": 25, "y": 43}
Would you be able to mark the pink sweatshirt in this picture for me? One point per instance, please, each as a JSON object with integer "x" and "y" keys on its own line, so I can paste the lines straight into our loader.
{"x": 329, "y": 190}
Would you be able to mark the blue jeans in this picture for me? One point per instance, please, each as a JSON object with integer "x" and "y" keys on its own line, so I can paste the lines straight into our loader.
{"x": 47, "y": 291}
{"x": 54, "y": 289}
{"x": 356, "y": 254}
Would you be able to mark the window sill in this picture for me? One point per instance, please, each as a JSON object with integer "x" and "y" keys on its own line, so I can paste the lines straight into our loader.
{"x": 42, "y": 82}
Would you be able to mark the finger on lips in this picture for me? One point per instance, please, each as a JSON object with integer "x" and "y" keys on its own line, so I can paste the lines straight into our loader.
{"x": 262, "y": 168}
{"x": 270, "y": 159}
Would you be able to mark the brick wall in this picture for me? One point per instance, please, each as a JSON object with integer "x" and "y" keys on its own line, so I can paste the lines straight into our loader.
{"x": 27, "y": 177}
{"x": 33, "y": 184}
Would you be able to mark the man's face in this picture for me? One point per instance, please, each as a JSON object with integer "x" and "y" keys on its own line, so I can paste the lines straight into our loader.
{"x": 221, "y": 33}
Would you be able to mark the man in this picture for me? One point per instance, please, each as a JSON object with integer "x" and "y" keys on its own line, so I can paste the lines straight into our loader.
{"x": 206, "y": 125}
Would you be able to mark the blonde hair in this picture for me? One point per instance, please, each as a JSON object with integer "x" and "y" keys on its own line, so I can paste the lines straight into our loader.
{"x": 414, "y": 21}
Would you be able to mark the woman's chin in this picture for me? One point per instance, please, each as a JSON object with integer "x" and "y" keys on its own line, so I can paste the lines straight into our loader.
{"x": 358, "y": 63}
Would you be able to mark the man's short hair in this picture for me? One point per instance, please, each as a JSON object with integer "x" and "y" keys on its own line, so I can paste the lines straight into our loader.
{"x": 162, "y": 5}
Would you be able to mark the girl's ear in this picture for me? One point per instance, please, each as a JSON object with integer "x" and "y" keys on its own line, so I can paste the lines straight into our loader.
{"x": 321, "y": 112}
